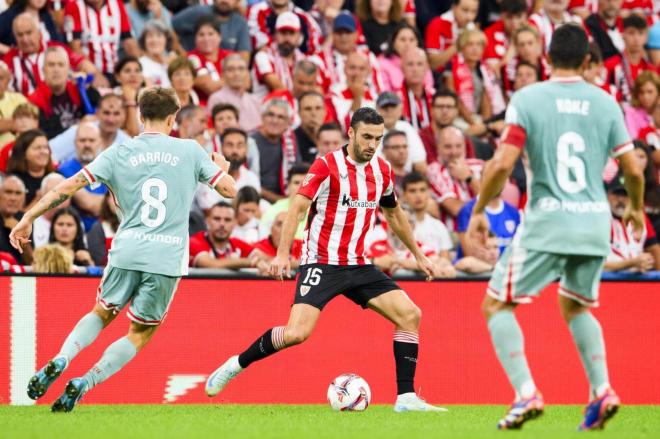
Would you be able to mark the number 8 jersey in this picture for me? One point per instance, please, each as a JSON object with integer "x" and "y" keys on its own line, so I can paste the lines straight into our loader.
{"x": 152, "y": 179}
{"x": 568, "y": 129}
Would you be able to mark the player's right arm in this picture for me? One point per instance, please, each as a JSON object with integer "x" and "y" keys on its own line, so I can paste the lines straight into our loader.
{"x": 225, "y": 185}
{"x": 20, "y": 234}
{"x": 280, "y": 266}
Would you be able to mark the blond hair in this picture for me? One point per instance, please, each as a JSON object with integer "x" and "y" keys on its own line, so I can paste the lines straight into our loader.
{"x": 52, "y": 258}
{"x": 465, "y": 36}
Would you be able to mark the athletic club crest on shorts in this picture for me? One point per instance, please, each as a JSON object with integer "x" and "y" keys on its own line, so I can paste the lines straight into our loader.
{"x": 510, "y": 225}
{"x": 304, "y": 289}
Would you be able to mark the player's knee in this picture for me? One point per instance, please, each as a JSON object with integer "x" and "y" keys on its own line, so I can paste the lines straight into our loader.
{"x": 107, "y": 316}
{"x": 569, "y": 308}
{"x": 294, "y": 336}
{"x": 492, "y": 306}
{"x": 411, "y": 318}
{"x": 140, "y": 335}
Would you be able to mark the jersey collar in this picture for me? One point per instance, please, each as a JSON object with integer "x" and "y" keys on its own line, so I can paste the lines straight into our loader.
{"x": 567, "y": 79}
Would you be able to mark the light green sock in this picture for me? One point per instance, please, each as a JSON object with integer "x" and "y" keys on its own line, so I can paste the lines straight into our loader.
{"x": 510, "y": 348}
{"x": 588, "y": 337}
{"x": 114, "y": 358}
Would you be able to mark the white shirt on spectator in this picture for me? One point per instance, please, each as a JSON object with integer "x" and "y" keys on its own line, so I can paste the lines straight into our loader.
{"x": 416, "y": 151}
{"x": 433, "y": 234}
{"x": 154, "y": 72}
{"x": 248, "y": 232}
{"x": 40, "y": 232}
{"x": 623, "y": 244}
{"x": 206, "y": 197}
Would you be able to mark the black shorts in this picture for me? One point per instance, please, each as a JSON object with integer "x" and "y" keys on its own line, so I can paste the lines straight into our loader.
{"x": 318, "y": 284}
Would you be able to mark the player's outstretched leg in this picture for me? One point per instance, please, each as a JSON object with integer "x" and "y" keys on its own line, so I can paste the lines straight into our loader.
{"x": 397, "y": 307}
{"x": 588, "y": 337}
{"x": 115, "y": 357}
{"x": 82, "y": 335}
{"x": 302, "y": 321}
{"x": 509, "y": 345}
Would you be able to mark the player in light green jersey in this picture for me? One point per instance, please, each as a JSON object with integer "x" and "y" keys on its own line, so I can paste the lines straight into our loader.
{"x": 567, "y": 128}
{"x": 152, "y": 178}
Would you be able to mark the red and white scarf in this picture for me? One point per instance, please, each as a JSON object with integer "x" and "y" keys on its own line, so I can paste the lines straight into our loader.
{"x": 289, "y": 147}
{"x": 464, "y": 85}
{"x": 416, "y": 110}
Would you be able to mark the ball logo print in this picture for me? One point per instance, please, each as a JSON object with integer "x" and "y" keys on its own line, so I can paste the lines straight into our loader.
{"x": 349, "y": 392}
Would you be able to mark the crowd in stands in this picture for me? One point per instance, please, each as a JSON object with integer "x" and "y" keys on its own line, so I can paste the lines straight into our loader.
{"x": 272, "y": 85}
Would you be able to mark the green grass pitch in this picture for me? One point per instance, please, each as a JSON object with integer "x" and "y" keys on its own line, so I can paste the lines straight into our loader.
{"x": 306, "y": 421}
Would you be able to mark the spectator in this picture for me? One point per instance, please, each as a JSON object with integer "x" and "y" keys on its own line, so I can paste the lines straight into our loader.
{"x": 8, "y": 103}
{"x": 503, "y": 220}
{"x": 478, "y": 90}
{"x": 526, "y": 74}
{"x": 266, "y": 249}
{"x": 403, "y": 39}
{"x": 110, "y": 115}
{"x": 88, "y": 201}
{"x": 395, "y": 151}
{"x": 324, "y": 13}
{"x": 30, "y": 161}
{"x": 356, "y": 94}
{"x": 234, "y": 149}
{"x": 595, "y": 72}
{"x": 96, "y": 29}
{"x": 233, "y": 27}
{"x": 651, "y": 187}
{"x": 529, "y": 48}
{"x": 277, "y": 149}
{"x": 329, "y": 138}
{"x": 262, "y": 21}
{"x": 443, "y": 31}
{"x": 103, "y": 231}
{"x": 332, "y": 58}
{"x": 130, "y": 80}
{"x": 52, "y": 258}
{"x": 444, "y": 112}
{"x": 623, "y": 69}
{"x": 629, "y": 251}
{"x": 24, "y": 118}
{"x": 274, "y": 64}
{"x": 653, "y": 44}
{"x": 41, "y": 226}
{"x": 428, "y": 230}
{"x": 181, "y": 73}
{"x": 246, "y": 204}
{"x": 553, "y": 13}
{"x": 38, "y": 9}
{"x": 455, "y": 179}
{"x": 414, "y": 92}
{"x": 235, "y": 91}
{"x": 58, "y": 99}
{"x": 379, "y": 18}
{"x": 141, "y": 12}
{"x": 192, "y": 124}
{"x": 606, "y": 27}
{"x": 26, "y": 60}
{"x": 207, "y": 58}
{"x": 296, "y": 177}
{"x": 156, "y": 44}
{"x": 227, "y": 116}
{"x": 499, "y": 35}
{"x": 215, "y": 248}
{"x": 306, "y": 77}
{"x": 12, "y": 200}
{"x": 312, "y": 111}
{"x": 67, "y": 231}
{"x": 645, "y": 97}
{"x": 390, "y": 107}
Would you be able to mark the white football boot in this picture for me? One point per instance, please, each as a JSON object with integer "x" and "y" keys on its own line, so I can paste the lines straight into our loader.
{"x": 222, "y": 375}
{"x": 410, "y": 402}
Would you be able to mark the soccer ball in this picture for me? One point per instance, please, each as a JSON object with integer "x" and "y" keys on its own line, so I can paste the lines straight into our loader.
{"x": 349, "y": 392}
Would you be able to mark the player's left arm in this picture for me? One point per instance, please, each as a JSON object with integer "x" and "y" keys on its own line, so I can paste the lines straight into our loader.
{"x": 20, "y": 234}
{"x": 398, "y": 221}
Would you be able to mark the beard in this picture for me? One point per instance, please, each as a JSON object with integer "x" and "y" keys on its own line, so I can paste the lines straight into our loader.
{"x": 285, "y": 49}
{"x": 235, "y": 164}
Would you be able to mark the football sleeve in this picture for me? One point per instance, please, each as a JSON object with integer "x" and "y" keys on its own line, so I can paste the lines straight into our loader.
{"x": 619, "y": 139}
{"x": 100, "y": 170}
{"x": 317, "y": 178}
{"x": 72, "y": 22}
{"x": 515, "y": 131}
{"x": 206, "y": 171}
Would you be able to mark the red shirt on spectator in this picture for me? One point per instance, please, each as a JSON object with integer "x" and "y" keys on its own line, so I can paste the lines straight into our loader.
{"x": 28, "y": 70}
{"x": 416, "y": 110}
{"x": 497, "y": 41}
{"x": 100, "y": 31}
{"x": 590, "y": 5}
{"x": 267, "y": 61}
{"x": 622, "y": 74}
{"x": 547, "y": 27}
{"x": 342, "y": 101}
{"x": 200, "y": 244}
{"x": 266, "y": 246}
{"x": 204, "y": 66}
{"x": 441, "y": 32}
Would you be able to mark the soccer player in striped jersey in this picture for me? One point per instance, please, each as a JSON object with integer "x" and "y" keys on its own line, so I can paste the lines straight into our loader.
{"x": 342, "y": 192}
{"x": 154, "y": 222}
{"x": 568, "y": 129}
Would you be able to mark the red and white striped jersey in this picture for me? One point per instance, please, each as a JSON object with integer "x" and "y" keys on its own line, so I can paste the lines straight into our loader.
{"x": 267, "y": 61}
{"x": 346, "y": 196}
{"x": 547, "y": 27}
{"x": 444, "y": 186}
{"x": 442, "y": 32}
{"x": 261, "y": 24}
{"x": 623, "y": 243}
{"x": 332, "y": 64}
{"x": 342, "y": 101}
{"x": 204, "y": 66}
{"x": 28, "y": 69}
{"x": 100, "y": 31}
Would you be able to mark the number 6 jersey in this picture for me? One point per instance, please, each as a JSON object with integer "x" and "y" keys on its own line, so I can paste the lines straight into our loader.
{"x": 568, "y": 129}
{"x": 152, "y": 179}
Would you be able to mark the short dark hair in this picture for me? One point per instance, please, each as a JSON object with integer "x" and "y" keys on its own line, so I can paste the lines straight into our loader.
{"x": 157, "y": 103}
{"x": 298, "y": 169}
{"x": 219, "y": 108}
{"x": 523, "y": 63}
{"x": 207, "y": 20}
{"x": 221, "y": 204}
{"x": 635, "y": 21}
{"x": 310, "y": 93}
{"x": 187, "y": 112}
{"x": 403, "y": 25}
{"x": 393, "y": 133}
{"x": 412, "y": 178}
{"x": 444, "y": 93}
{"x": 233, "y": 130}
{"x": 246, "y": 194}
{"x": 124, "y": 61}
{"x": 330, "y": 126}
{"x": 108, "y": 97}
{"x": 513, "y": 7}
{"x": 569, "y": 47}
{"x": 367, "y": 116}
